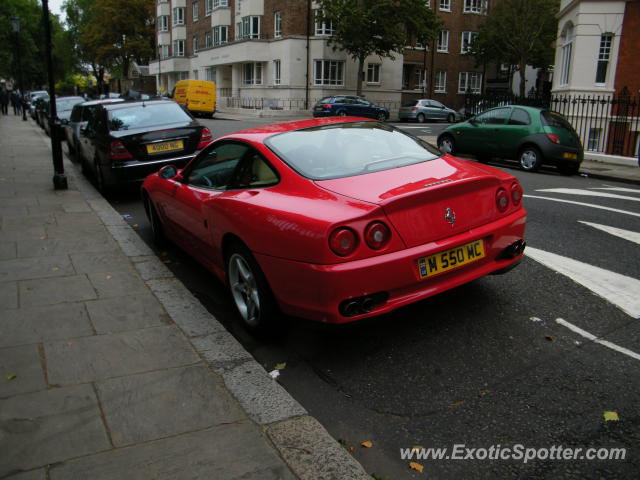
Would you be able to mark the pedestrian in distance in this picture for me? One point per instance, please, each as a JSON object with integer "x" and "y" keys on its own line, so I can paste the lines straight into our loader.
{"x": 4, "y": 101}
{"x": 15, "y": 103}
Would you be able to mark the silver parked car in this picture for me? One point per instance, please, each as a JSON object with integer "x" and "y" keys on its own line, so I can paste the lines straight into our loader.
{"x": 426, "y": 109}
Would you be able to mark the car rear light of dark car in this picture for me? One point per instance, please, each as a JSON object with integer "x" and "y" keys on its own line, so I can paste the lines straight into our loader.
{"x": 343, "y": 241}
{"x": 377, "y": 235}
{"x": 502, "y": 200}
{"x": 553, "y": 138}
{"x": 516, "y": 194}
{"x": 205, "y": 138}
{"x": 117, "y": 151}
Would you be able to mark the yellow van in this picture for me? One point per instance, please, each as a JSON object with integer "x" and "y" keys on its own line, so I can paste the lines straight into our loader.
{"x": 199, "y": 96}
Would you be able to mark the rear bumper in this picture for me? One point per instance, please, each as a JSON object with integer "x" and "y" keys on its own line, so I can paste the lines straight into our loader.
{"x": 555, "y": 154}
{"x": 316, "y": 291}
{"x": 408, "y": 115}
{"x": 136, "y": 171}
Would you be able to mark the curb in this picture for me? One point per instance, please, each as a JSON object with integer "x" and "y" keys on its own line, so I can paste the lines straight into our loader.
{"x": 303, "y": 443}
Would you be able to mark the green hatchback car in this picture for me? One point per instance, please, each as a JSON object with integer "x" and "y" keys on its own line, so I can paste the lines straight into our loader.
{"x": 533, "y": 136}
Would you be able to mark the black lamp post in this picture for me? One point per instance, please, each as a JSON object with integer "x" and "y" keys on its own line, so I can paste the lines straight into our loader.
{"x": 59, "y": 178}
{"x": 15, "y": 24}
{"x": 160, "y": 70}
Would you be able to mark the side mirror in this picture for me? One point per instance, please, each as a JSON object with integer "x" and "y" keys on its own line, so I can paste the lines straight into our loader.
{"x": 170, "y": 172}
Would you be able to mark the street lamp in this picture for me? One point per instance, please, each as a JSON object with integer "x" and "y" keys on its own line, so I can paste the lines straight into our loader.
{"x": 15, "y": 24}
{"x": 160, "y": 70}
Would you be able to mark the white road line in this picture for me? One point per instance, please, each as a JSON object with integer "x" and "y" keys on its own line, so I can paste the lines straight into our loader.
{"x": 595, "y": 339}
{"x": 618, "y": 232}
{"x": 561, "y": 200}
{"x": 617, "y": 189}
{"x": 579, "y": 191}
{"x": 620, "y": 290}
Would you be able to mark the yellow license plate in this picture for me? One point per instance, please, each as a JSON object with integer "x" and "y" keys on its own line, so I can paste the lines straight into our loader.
{"x": 450, "y": 259}
{"x": 165, "y": 147}
{"x": 572, "y": 156}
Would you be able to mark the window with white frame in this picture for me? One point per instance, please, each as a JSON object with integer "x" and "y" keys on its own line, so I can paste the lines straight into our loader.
{"x": 443, "y": 41}
{"x": 195, "y": 74}
{"x": 475, "y": 6}
{"x": 277, "y": 24}
{"x": 183, "y": 75}
{"x": 373, "y": 73}
{"x": 210, "y": 74}
{"x": 567, "y": 48}
{"x": 163, "y": 23}
{"x": 249, "y": 27}
{"x": 445, "y": 5}
{"x": 220, "y": 35}
{"x": 195, "y": 11}
{"x": 178, "y": 16}
{"x": 323, "y": 27}
{"x": 328, "y": 72}
{"x": 164, "y": 51}
{"x": 208, "y": 7}
{"x": 420, "y": 79}
{"x": 195, "y": 44}
{"x": 252, "y": 73}
{"x": 208, "y": 39}
{"x": 467, "y": 40}
{"x": 220, "y": 3}
{"x": 178, "y": 48}
{"x": 603, "y": 57}
{"x": 594, "y": 139}
{"x": 276, "y": 72}
{"x": 441, "y": 82}
{"x": 469, "y": 82}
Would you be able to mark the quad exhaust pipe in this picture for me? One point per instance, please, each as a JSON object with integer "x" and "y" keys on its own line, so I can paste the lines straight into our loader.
{"x": 362, "y": 305}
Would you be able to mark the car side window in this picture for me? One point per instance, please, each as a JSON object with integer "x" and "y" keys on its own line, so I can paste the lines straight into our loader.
{"x": 254, "y": 171}
{"x": 497, "y": 116}
{"x": 519, "y": 117}
{"x": 340, "y": 100}
{"x": 215, "y": 168}
{"x": 437, "y": 104}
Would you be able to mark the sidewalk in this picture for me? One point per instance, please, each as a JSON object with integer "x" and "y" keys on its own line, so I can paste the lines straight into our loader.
{"x": 110, "y": 368}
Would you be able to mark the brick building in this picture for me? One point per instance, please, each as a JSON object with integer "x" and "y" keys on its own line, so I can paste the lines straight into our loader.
{"x": 276, "y": 50}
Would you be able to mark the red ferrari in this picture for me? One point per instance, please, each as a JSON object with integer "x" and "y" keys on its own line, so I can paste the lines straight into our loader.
{"x": 336, "y": 219}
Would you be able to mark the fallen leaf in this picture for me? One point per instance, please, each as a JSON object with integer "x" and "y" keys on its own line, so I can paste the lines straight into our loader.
{"x": 456, "y": 404}
{"x": 281, "y": 366}
{"x": 351, "y": 448}
{"x": 11, "y": 377}
{"x": 551, "y": 338}
{"x": 108, "y": 277}
{"x": 367, "y": 444}
{"x": 416, "y": 466}
{"x": 611, "y": 416}
{"x": 42, "y": 238}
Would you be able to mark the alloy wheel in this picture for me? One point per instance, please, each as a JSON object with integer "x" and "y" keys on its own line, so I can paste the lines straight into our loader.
{"x": 244, "y": 289}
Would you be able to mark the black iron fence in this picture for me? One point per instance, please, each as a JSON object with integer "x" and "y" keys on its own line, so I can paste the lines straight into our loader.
{"x": 608, "y": 124}
{"x": 256, "y": 103}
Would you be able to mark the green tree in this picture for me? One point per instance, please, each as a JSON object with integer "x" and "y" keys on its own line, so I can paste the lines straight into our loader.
{"x": 519, "y": 32}
{"x": 376, "y": 27}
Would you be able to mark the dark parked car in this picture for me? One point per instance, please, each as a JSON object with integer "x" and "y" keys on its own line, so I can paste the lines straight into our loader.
{"x": 426, "y": 109}
{"x": 124, "y": 142}
{"x": 345, "y": 105}
{"x": 64, "y": 105}
{"x": 37, "y": 108}
{"x": 80, "y": 116}
{"x": 30, "y": 99}
{"x": 533, "y": 136}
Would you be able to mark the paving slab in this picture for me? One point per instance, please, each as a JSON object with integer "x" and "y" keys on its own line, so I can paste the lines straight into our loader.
{"x": 8, "y": 296}
{"x": 160, "y": 404}
{"x": 29, "y": 268}
{"x": 49, "y": 426}
{"x": 100, "y": 262}
{"x": 39, "y": 324}
{"x": 86, "y": 244}
{"x": 39, "y": 474}
{"x": 20, "y": 371}
{"x": 8, "y": 250}
{"x": 225, "y": 452}
{"x": 50, "y": 291}
{"x": 117, "y": 284}
{"x": 120, "y": 314}
{"x": 100, "y": 357}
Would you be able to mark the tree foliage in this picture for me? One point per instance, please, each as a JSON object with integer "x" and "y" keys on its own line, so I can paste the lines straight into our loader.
{"x": 519, "y": 32}
{"x": 376, "y": 27}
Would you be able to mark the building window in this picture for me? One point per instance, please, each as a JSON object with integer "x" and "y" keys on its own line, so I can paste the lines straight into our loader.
{"x": 195, "y": 74}
{"x": 420, "y": 79}
{"x": 567, "y": 47}
{"x": 183, "y": 75}
{"x": 249, "y": 27}
{"x": 164, "y": 51}
{"x": 603, "y": 57}
{"x": 178, "y": 48}
{"x": 328, "y": 72}
{"x": 276, "y": 72}
{"x": 373, "y": 73}
{"x": 443, "y": 41}
{"x": 445, "y": 5}
{"x": 208, "y": 6}
{"x": 252, "y": 73}
{"x": 441, "y": 82}
{"x": 208, "y": 40}
{"x": 594, "y": 140}
{"x": 469, "y": 82}
{"x": 220, "y": 3}
{"x": 195, "y": 11}
{"x": 163, "y": 23}
{"x": 467, "y": 40}
{"x": 475, "y": 6}
{"x": 195, "y": 44}
{"x": 178, "y": 16}
{"x": 323, "y": 28}
{"x": 220, "y": 35}
{"x": 210, "y": 74}
{"x": 277, "y": 24}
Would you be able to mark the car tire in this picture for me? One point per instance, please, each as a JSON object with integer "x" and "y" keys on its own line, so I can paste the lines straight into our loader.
{"x": 99, "y": 178}
{"x": 447, "y": 144}
{"x": 530, "y": 158}
{"x": 451, "y": 118}
{"x": 382, "y": 117}
{"x": 157, "y": 230}
{"x": 421, "y": 118}
{"x": 250, "y": 292}
{"x": 569, "y": 168}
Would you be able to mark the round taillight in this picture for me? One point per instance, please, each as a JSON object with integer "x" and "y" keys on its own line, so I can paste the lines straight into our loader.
{"x": 377, "y": 235}
{"x": 516, "y": 194}
{"x": 343, "y": 241}
{"x": 502, "y": 199}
